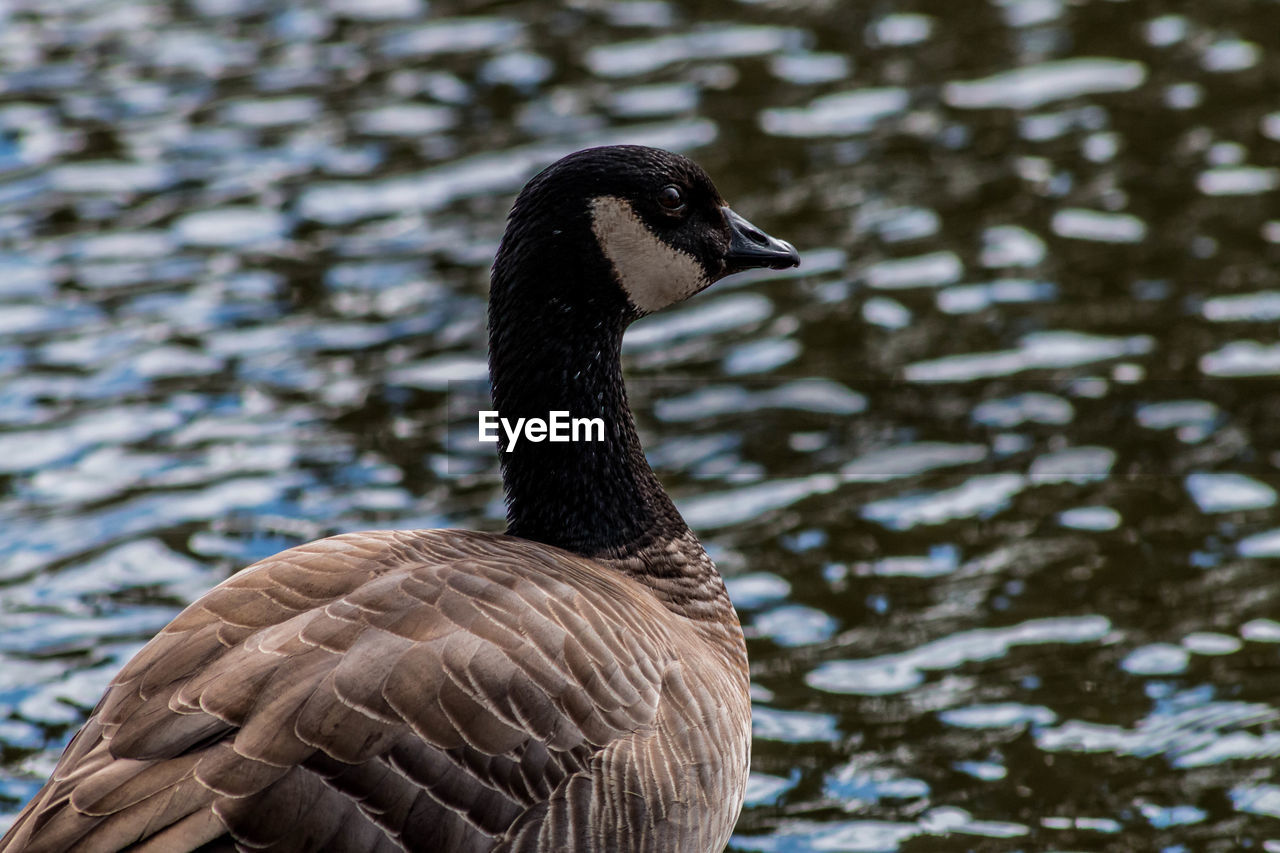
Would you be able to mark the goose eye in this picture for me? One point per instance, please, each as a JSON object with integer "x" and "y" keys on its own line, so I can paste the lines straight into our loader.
{"x": 670, "y": 198}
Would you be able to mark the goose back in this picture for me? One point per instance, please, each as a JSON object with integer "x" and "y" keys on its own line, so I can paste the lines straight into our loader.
{"x": 428, "y": 690}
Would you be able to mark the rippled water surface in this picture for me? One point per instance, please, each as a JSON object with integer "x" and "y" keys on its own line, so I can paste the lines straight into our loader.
{"x": 993, "y": 475}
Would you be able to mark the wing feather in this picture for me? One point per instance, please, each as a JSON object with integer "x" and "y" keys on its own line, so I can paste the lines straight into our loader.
{"x": 396, "y": 690}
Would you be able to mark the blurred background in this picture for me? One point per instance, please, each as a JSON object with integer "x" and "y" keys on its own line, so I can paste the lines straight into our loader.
{"x": 992, "y": 476}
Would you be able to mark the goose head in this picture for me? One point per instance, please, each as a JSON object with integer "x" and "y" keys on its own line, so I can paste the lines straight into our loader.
{"x": 625, "y": 230}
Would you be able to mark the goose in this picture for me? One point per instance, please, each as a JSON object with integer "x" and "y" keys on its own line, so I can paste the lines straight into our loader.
{"x": 578, "y": 683}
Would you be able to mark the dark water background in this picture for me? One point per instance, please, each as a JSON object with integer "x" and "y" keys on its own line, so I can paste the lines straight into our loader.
{"x": 993, "y": 476}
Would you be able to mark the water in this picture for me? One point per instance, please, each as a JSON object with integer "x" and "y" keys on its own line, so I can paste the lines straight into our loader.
{"x": 992, "y": 476}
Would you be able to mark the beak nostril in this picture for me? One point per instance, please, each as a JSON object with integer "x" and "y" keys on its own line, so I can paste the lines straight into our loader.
{"x": 751, "y": 248}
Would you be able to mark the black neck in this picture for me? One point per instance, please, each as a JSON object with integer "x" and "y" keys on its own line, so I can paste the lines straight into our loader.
{"x": 594, "y": 498}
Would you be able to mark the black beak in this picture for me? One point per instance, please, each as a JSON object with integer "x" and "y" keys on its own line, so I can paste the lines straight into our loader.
{"x": 751, "y": 248}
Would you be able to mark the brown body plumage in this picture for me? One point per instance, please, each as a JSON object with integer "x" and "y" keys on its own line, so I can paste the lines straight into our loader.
{"x": 579, "y": 687}
{"x": 286, "y": 709}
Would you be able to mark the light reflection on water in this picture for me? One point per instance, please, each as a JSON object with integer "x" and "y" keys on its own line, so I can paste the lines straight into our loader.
{"x": 993, "y": 475}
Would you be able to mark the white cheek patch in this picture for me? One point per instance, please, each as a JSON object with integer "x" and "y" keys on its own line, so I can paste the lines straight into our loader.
{"x": 653, "y": 274}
